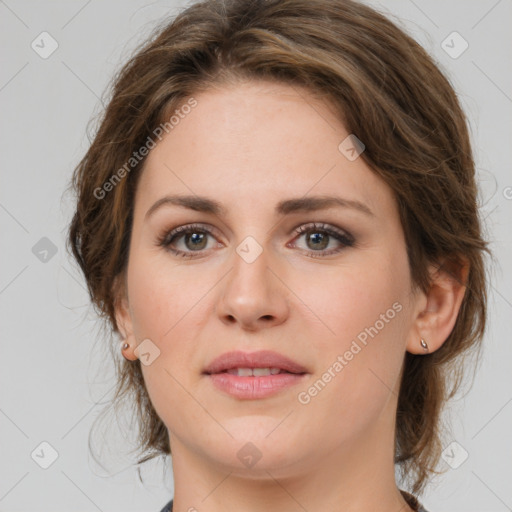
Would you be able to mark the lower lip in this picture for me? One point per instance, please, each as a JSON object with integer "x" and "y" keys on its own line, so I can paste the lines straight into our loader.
{"x": 253, "y": 388}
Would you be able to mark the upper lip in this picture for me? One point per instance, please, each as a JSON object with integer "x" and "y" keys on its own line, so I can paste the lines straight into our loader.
{"x": 261, "y": 359}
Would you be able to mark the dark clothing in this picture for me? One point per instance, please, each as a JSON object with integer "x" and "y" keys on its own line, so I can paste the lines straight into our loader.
{"x": 168, "y": 507}
{"x": 409, "y": 498}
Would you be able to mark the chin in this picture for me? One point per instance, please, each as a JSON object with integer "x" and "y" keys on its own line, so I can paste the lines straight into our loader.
{"x": 255, "y": 460}
{"x": 255, "y": 446}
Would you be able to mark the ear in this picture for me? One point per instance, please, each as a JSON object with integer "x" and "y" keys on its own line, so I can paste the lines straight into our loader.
{"x": 123, "y": 317}
{"x": 442, "y": 302}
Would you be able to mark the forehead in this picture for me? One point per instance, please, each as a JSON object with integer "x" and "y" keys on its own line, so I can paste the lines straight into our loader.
{"x": 255, "y": 143}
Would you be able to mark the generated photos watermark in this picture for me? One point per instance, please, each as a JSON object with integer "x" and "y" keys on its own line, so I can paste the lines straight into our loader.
{"x": 304, "y": 397}
{"x": 143, "y": 151}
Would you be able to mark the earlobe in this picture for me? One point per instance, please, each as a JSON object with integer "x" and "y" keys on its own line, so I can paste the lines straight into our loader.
{"x": 124, "y": 324}
{"x": 124, "y": 321}
{"x": 128, "y": 351}
{"x": 434, "y": 324}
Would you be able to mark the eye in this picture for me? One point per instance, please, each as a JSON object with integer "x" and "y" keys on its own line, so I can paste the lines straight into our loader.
{"x": 318, "y": 236}
{"x": 194, "y": 238}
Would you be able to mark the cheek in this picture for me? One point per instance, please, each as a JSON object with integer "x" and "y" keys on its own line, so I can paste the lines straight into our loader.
{"x": 160, "y": 297}
{"x": 168, "y": 307}
{"x": 162, "y": 304}
{"x": 363, "y": 314}
{"x": 352, "y": 299}
{"x": 359, "y": 361}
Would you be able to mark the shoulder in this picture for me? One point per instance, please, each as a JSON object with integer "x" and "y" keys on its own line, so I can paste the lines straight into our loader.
{"x": 413, "y": 502}
{"x": 168, "y": 507}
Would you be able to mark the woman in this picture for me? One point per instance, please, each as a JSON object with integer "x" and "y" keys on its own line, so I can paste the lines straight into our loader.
{"x": 281, "y": 375}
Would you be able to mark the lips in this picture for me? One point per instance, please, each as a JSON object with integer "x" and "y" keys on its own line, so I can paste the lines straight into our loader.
{"x": 262, "y": 359}
{"x": 254, "y": 375}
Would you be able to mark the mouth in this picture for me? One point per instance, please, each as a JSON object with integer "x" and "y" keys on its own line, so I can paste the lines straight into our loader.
{"x": 256, "y": 372}
{"x": 251, "y": 376}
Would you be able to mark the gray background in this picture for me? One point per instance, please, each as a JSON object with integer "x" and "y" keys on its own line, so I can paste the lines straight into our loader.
{"x": 53, "y": 374}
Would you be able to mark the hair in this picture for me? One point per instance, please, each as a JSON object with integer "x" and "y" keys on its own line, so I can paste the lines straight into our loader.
{"x": 386, "y": 90}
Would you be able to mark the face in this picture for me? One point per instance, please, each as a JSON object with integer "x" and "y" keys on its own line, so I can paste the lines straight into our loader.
{"x": 326, "y": 286}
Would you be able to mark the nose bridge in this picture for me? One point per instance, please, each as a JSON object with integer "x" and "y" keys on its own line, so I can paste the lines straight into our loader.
{"x": 252, "y": 295}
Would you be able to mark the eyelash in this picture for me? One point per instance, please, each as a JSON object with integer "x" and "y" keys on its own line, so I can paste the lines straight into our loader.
{"x": 345, "y": 239}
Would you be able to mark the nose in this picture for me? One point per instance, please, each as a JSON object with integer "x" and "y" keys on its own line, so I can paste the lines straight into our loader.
{"x": 254, "y": 294}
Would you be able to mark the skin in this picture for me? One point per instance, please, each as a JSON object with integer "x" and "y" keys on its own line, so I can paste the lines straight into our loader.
{"x": 249, "y": 146}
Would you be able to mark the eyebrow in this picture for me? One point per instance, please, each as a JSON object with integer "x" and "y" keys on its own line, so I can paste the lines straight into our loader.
{"x": 301, "y": 204}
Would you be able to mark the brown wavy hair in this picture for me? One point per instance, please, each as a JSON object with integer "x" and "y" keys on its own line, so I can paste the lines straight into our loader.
{"x": 384, "y": 87}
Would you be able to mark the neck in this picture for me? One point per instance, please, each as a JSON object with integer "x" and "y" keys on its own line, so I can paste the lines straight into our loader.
{"x": 356, "y": 476}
